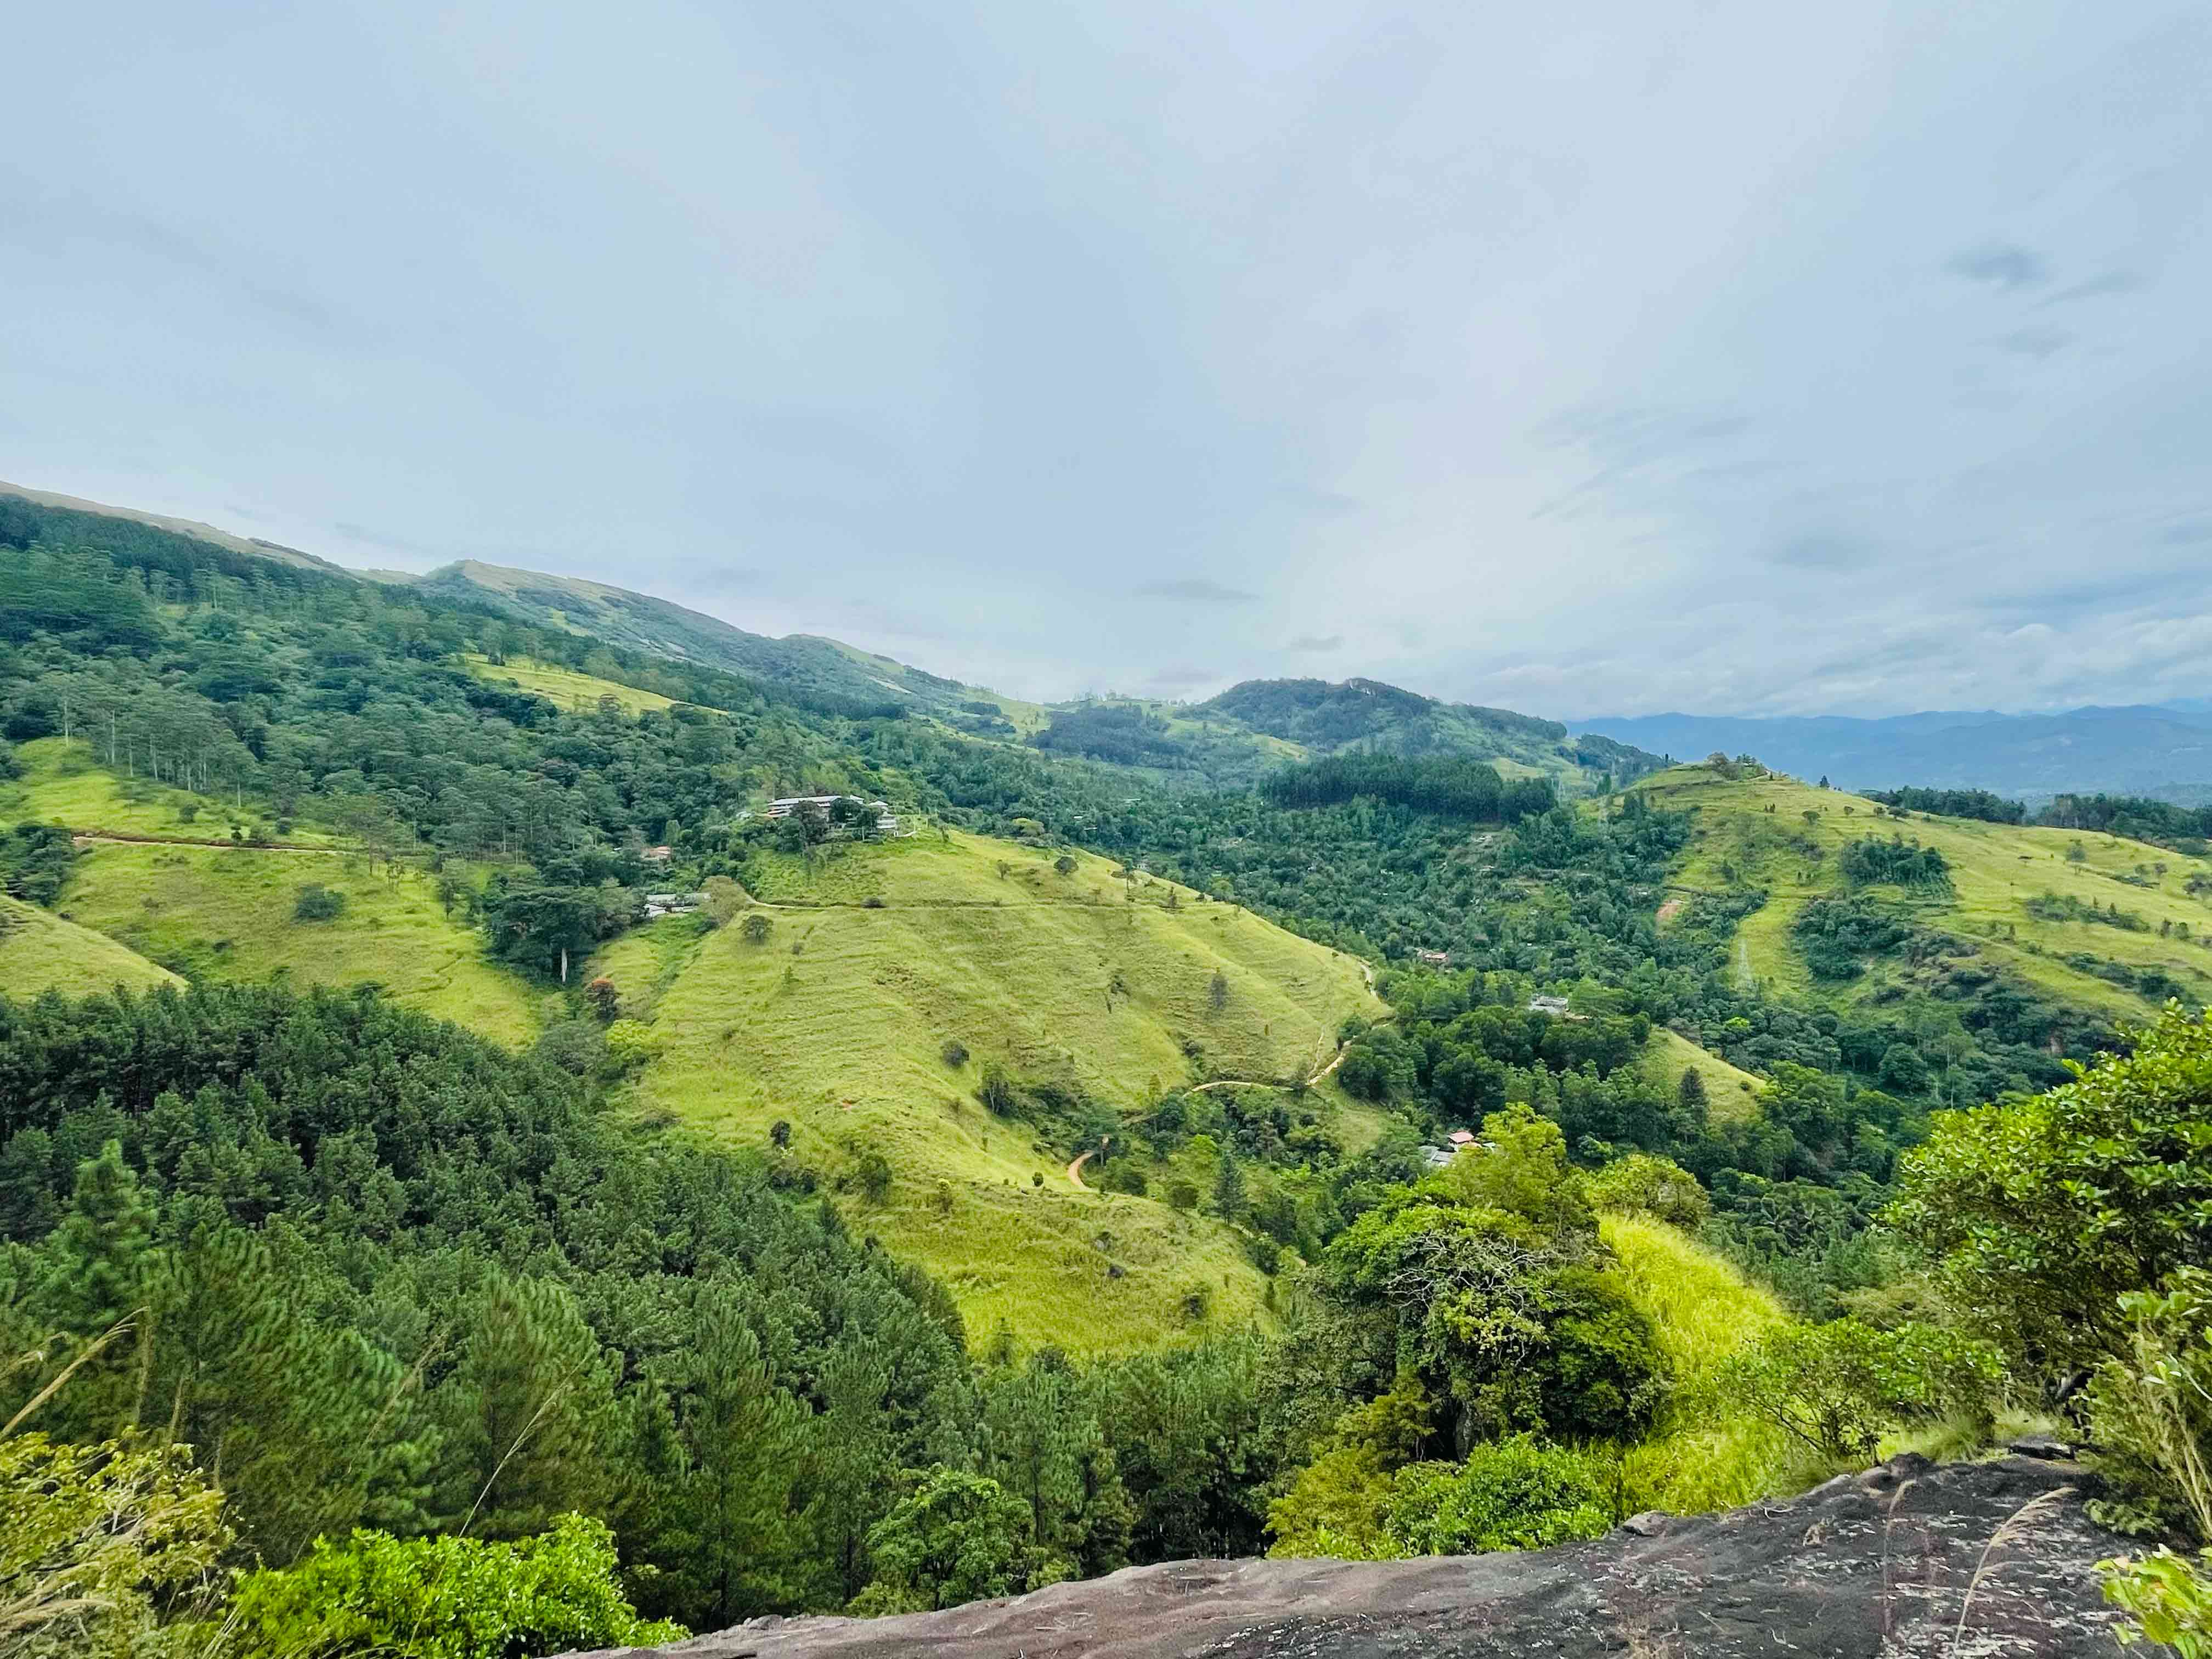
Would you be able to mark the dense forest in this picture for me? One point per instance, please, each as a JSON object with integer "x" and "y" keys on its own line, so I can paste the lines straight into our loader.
{"x": 356, "y": 1309}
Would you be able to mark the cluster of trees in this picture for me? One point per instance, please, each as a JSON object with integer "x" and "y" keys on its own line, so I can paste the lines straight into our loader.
{"x": 2135, "y": 816}
{"x": 1870, "y": 861}
{"x": 1450, "y": 788}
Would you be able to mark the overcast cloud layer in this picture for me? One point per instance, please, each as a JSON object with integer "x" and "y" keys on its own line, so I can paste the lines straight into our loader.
{"x": 1726, "y": 357}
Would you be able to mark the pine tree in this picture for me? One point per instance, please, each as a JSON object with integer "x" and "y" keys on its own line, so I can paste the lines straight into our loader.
{"x": 98, "y": 1257}
{"x": 1229, "y": 1192}
{"x": 1692, "y": 1091}
{"x": 741, "y": 1437}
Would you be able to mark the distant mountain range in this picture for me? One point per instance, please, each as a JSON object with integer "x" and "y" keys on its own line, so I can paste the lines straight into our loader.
{"x": 1231, "y": 740}
{"x": 2163, "y": 750}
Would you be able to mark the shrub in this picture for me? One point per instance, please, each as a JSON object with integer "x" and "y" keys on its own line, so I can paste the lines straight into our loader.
{"x": 1652, "y": 1185}
{"x": 446, "y": 1597}
{"x": 1836, "y": 1387}
{"x": 629, "y": 1042}
{"x": 954, "y": 1053}
{"x": 1125, "y": 1176}
{"x": 756, "y": 929}
{"x": 997, "y": 1092}
{"x": 317, "y": 903}
{"x": 873, "y": 1173}
{"x": 1182, "y": 1195}
{"x": 2151, "y": 1410}
{"x": 93, "y": 1537}
{"x": 1517, "y": 1494}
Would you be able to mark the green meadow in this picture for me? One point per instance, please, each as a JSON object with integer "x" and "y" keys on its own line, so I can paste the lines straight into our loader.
{"x": 1785, "y": 836}
{"x": 42, "y": 952}
{"x": 879, "y": 959}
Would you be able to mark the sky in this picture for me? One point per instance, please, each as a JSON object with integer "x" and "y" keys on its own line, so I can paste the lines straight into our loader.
{"x": 1600, "y": 356}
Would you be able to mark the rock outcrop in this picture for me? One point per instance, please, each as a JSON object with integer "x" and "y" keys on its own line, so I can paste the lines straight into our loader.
{"x": 1965, "y": 1561}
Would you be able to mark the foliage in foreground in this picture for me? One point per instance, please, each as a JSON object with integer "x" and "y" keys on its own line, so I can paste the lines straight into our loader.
{"x": 445, "y": 1598}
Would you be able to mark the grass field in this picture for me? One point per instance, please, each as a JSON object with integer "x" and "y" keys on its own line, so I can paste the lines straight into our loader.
{"x": 1703, "y": 1311}
{"x": 1792, "y": 851}
{"x": 63, "y": 783}
{"x": 41, "y": 951}
{"x": 1729, "y": 1092}
{"x": 838, "y": 1023}
{"x": 222, "y": 913}
{"x": 564, "y": 686}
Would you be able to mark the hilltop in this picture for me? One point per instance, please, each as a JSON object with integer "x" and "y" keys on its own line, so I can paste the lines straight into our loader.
{"x": 891, "y": 981}
{"x": 2095, "y": 921}
{"x": 1258, "y": 727}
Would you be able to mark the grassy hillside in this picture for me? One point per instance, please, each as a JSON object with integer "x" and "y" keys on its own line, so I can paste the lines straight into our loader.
{"x": 565, "y": 686}
{"x": 42, "y": 952}
{"x": 1255, "y": 728}
{"x": 223, "y": 913}
{"x": 2020, "y": 899}
{"x": 1729, "y": 1091}
{"x": 62, "y": 783}
{"x": 1703, "y": 1310}
{"x": 839, "y": 1024}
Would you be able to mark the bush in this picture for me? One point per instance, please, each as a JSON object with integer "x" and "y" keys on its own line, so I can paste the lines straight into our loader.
{"x": 1517, "y": 1494}
{"x": 2151, "y": 1410}
{"x": 317, "y": 903}
{"x": 997, "y": 1092}
{"x": 873, "y": 1173}
{"x": 1836, "y": 1387}
{"x": 446, "y": 1598}
{"x": 1125, "y": 1176}
{"x": 1654, "y": 1186}
{"x": 1182, "y": 1195}
{"x": 629, "y": 1042}
{"x": 953, "y": 1053}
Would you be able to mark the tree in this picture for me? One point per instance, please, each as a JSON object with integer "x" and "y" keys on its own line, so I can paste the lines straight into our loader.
{"x": 530, "y": 1410}
{"x": 1691, "y": 1094}
{"x": 756, "y": 929}
{"x": 725, "y": 898}
{"x": 955, "y": 1537}
{"x": 1217, "y": 991}
{"x": 317, "y": 903}
{"x": 1182, "y": 1196}
{"x": 737, "y": 1544}
{"x": 2038, "y": 1215}
{"x": 1065, "y": 865}
{"x": 779, "y": 1134}
{"x": 98, "y": 1258}
{"x": 1229, "y": 1197}
{"x": 604, "y": 1000}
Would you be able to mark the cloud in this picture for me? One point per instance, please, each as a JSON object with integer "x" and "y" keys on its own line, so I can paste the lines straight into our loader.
{"x": 1198, "y": 589}
{"x": 2035, "y": 342}
{"x": 2097, "y": 288}
{"x": 2001, "y": 264}
{"x": 1316, "y": 642}
{"x": 1175, "y": 682}
{"x": 1821, "y": 550}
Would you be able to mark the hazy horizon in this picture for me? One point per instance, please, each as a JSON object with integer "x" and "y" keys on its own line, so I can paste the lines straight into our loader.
{"x": 1614, "y": 359}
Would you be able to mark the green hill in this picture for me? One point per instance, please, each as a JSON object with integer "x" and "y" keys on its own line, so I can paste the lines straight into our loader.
{"x": 2094, "y": 921}
{"x": 1254, "y": 728}
{"x": 42, "y": 952}
{"x": 1088, "y": 992}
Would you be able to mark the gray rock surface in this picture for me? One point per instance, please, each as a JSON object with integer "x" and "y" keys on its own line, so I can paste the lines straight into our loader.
{"x": 1899, "y": 1561}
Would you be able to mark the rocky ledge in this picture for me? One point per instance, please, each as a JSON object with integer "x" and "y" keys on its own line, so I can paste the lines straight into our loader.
{"x": 1963, "y": 1560}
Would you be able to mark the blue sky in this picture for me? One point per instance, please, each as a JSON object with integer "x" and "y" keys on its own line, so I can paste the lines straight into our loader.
{"x": 1728, "y": 357}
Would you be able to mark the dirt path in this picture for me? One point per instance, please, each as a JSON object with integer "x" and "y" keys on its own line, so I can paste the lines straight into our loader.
{"x": 1075, "y": 1171}
{"x": 117, "y": 838}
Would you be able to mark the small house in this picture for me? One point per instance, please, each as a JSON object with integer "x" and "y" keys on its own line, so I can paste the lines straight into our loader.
{"x": 1555, "y": 1006}
{"x": 656, "y": 855}
{"x": 1433, "y": 958}
{"x": 1461, "y": 1140}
